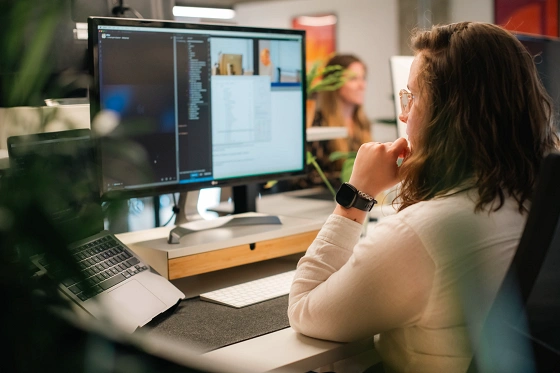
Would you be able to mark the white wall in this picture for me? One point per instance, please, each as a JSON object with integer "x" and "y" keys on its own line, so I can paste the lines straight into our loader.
{"x": 471, "y": 10}
{"x": 367, "y": 28}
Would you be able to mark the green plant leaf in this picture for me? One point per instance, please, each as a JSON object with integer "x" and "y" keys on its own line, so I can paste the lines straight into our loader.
{"x": 336, "y": 155}
{"x": 336, "y": 77}
{"x": 313, "y": 160}
{"x": 33, "y": 66}
{"x": 269, "y": 184}
{"x": 347, "y": 165}
{"x": 346, "y": 170}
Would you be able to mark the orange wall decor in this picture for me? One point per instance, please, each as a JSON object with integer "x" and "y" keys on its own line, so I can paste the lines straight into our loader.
{"x": 320, "y": 35}
{"x": 528, "y": 16}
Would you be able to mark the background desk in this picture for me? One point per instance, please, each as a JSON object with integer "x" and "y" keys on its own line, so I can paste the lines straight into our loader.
{"x": 303, "y": 204}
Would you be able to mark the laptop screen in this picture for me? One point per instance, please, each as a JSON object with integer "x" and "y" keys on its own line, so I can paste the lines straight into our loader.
{"x": 57, "y": 170}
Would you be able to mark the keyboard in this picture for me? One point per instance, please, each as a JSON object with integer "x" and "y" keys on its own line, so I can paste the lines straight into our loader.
{"x": 252, "y": 292}
{"x": 104, "y": 263}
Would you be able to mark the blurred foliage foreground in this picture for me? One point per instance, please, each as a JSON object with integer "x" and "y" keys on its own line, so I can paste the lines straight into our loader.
{"x": 41, "y": 334}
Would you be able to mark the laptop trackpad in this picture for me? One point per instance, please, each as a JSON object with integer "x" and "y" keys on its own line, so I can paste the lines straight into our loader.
{"x": 138, "y": 301}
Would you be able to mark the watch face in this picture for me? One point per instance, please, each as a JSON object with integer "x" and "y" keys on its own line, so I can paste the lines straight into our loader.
{"x": 346, "y": 195}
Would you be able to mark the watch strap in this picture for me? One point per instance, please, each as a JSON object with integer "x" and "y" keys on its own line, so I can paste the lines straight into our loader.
{"x": 364, "y": 201}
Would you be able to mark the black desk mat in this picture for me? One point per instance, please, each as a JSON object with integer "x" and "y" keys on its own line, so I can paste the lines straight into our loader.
{"x": 209, "y": 326}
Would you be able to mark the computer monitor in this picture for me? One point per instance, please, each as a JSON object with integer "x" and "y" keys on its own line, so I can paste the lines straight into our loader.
{"x": 165, "y": 123}
{"x": 546, "y": 52}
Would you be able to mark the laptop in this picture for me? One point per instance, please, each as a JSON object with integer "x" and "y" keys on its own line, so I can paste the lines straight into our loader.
{"x": 110, "y": 281}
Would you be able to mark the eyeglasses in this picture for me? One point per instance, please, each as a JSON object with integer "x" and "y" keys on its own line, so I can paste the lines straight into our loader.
{"x": 407, "y": 99}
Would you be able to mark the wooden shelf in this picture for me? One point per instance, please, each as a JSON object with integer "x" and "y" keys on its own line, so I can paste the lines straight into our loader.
{"x": 213, "y": 248}
{"x": 211, "y": 261}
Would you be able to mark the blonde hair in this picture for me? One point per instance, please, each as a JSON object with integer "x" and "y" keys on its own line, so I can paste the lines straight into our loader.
{"x": 329, "y": 108}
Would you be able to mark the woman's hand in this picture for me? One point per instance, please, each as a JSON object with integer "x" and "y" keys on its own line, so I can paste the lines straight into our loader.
{"x": 375, "y": 168}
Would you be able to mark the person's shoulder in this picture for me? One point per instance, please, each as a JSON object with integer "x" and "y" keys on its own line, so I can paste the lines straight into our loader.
{"x": 451, "y": 221}
{"x": 437, "y": 211}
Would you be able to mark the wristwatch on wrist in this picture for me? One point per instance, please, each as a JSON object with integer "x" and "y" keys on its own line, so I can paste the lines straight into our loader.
{"x": 348, "y": 196}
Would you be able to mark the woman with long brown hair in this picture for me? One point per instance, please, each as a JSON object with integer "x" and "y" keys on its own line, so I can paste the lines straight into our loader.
{"x": 479, "y": 124}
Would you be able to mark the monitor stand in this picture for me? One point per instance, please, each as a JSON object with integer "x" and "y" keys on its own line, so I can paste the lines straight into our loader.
{"x": 187, "y": 207}
{"x": 244, "y": 200}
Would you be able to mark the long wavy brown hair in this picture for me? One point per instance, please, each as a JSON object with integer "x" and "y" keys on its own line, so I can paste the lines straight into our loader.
{"x": 328, "y": 106}
{"x": 491, "y": 119}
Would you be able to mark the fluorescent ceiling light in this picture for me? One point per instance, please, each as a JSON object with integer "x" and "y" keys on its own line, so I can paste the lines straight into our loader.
{"x": 197, "y": 12}
{"x": 317, "y": 21}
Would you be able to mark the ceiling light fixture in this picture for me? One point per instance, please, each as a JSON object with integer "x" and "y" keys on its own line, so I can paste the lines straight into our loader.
{"x": 197, "y": 12}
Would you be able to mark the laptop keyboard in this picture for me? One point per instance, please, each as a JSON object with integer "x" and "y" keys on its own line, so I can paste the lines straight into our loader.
{"x": 105, "y": 263}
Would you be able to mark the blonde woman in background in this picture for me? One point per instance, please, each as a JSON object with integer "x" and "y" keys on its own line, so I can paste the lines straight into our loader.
{"x": 341, "y": 108}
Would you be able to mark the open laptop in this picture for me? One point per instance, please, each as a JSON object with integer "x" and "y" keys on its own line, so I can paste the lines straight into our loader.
{"x": 115, "y": 284}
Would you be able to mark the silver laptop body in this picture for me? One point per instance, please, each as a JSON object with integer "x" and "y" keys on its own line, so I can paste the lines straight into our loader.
{"x": 115, "y": 284}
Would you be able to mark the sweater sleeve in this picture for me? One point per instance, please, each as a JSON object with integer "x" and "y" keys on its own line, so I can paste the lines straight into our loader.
{"x": 347, "y": 289}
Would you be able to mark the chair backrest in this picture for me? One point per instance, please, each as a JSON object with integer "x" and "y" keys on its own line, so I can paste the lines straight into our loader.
{"x": 522, "y": 330}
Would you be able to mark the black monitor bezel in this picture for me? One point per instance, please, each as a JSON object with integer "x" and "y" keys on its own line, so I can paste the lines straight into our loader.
{"x": 94, "y": 93}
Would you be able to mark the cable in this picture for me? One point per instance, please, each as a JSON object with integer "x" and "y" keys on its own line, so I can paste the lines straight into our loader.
{"x": 176, "y": 210}
{"x": 120, "y": 9}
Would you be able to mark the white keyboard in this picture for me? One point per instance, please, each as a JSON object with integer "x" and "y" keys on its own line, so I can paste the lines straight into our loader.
{"x": 252, "y": 292}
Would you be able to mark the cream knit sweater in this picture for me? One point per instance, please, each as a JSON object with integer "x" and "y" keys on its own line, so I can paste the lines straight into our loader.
{"x": 423, "y": 279}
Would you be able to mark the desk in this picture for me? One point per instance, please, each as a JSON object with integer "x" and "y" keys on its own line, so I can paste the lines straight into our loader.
{"x": 283, "y": 350}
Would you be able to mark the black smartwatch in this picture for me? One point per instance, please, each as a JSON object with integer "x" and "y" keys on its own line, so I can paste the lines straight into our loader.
{"x": 348, "y": 196}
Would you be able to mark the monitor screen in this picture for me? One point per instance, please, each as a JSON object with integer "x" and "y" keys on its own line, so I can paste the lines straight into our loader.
{"x": 546, "y": 52}
{"x": 178, "y": 106}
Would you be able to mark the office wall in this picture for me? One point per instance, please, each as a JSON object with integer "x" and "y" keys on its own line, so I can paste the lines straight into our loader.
{"x": 367, "y": 28}
{"x": 471, "y": 10}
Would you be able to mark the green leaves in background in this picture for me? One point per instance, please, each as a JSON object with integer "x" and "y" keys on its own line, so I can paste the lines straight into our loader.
{"x": 25, "y": 66}
{"x": 329, "y": 78}
{"x": 313, "y": 161}
{"x": 347, "y": 165}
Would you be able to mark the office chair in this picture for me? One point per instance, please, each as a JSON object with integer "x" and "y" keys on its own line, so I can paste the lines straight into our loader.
{"x": 522, "y": 330}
